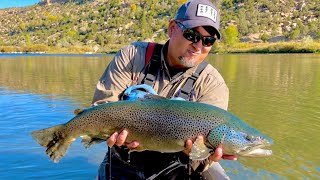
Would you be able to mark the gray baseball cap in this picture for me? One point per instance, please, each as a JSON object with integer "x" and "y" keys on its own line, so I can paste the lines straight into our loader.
{"x": 196, "y": 13}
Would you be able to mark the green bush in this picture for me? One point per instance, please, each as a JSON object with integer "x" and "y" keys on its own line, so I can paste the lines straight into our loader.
{"x": 264, "y": 37}
{"x": 231, "y": 35}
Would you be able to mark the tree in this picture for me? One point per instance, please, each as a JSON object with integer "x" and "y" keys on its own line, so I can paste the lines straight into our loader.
{"x": 264, "y": 37}
{"x": 227, "y": 4}
{"x": 294, "y": 34}
{"x": 231, "y": 35}
{"x": 27, "y": 39}
{"x": 243, "y": 23}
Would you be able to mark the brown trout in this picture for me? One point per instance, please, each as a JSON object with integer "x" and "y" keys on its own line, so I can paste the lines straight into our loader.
{"x": 159, "y": 125}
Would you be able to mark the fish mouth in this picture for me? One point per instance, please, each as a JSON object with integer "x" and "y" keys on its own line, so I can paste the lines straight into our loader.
{"x": 255, "y": 149}
{"x": 259, "y": 153}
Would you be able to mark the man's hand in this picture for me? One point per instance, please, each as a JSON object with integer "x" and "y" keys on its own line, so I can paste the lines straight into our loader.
{"x": 120, "y": 140}
{"x": 216, "y": 156}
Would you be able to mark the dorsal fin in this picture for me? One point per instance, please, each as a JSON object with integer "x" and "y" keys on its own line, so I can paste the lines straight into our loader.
{"x": 78, "y": 111}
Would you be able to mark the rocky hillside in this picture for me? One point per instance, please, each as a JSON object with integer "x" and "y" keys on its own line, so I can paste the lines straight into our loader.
{"x": 273, "y": 19}
{"x": 99, "y": 23}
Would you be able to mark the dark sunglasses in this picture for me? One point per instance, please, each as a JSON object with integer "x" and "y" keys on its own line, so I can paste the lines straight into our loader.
{"x": 195, "y": 36}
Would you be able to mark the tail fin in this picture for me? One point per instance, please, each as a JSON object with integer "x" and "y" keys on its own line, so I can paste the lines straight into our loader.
{"x": 55, "y": 140}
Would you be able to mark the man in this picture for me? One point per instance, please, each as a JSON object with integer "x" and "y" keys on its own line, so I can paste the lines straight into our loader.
{"x": 192, "y": 33}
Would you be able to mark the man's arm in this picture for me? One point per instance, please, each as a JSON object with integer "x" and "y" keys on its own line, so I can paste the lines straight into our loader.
{"x": 115, "y": 79}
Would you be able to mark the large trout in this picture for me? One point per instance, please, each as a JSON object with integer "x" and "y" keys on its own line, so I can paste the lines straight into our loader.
{"x": 159, "y": 125}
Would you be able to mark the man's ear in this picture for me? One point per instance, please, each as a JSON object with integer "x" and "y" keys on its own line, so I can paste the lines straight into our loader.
{"x": 171, "y": 27}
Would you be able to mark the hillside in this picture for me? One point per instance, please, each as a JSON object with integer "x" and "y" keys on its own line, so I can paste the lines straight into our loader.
{"x": 98, "y": 25}
{"x": 276, "y": 19}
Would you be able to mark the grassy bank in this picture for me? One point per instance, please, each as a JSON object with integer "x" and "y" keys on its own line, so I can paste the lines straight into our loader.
{"x": 279, "y": 47}
{"x": 41, "y": 48}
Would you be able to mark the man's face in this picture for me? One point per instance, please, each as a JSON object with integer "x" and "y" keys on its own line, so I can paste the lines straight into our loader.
{"x": 183, "y": 53}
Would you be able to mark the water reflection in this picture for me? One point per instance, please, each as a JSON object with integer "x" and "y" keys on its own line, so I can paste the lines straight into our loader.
{"x": 277, "y": 94}
{"x": 21, "y": 157}
{"x": 72, "y": 76}
{"x": 280, "y": 95}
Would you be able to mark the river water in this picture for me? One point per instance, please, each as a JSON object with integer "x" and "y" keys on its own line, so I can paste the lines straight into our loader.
{"x": 278, "y": 94}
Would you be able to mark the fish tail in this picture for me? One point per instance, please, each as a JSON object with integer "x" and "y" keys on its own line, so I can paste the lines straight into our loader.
{"x": 55, "y": 140}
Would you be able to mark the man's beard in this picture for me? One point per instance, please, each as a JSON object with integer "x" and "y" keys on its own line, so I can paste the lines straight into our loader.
{"x": 187, "y": 63}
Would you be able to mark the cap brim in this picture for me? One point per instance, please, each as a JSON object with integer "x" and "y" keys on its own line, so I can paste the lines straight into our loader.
{"x": 197, "y": 23}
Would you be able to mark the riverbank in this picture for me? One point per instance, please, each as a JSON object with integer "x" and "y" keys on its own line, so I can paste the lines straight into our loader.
{"x": 221, "y": 48}
{"x": 279, "y": 47}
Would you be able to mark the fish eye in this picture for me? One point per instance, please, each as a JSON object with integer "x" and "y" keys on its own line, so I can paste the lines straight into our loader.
{"x": 260, "y": 138}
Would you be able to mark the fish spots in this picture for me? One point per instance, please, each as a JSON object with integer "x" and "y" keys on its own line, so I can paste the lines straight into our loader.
{"x": 218, "y": 135}
{"x": 158, "y": 121}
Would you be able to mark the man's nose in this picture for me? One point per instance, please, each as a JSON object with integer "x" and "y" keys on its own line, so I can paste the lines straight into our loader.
{"x": 198, "y": 45}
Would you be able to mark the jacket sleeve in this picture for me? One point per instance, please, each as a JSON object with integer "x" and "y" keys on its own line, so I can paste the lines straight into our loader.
{"x": 115, "y": 79}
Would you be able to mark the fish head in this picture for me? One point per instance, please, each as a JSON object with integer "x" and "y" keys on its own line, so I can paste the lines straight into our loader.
{"x": 252, "y": 145}
{"x": 239, "y": 142}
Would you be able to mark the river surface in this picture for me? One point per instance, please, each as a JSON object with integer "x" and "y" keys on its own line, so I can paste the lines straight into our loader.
{"x": 277, "y": 94}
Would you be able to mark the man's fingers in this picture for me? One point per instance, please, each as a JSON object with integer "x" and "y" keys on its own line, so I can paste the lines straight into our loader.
{"x": 132, "y": 145}
{"x": 121, "y": 138}
{"x": 217, "y": 155}
{"x": 229, "y": 157}
{"x": 112, "y": 139}
{"x": 189, "y": 143}
{"x": 188, "y": 147}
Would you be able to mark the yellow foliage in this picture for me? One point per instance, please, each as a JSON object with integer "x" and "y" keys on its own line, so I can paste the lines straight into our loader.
{"x": 52, "y": 18}
{"x": 181, "y": 1}
{"x": 6, "y": 49}
{"x": 22, "y": 26}
{"x": 71, "y": 33}
{"x": 79, "y": 49}
{"x": 35, "y": 48}
{"x": 133, "y": 7}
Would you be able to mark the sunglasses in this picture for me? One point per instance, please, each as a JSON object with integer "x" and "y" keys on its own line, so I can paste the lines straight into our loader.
{"x": 195, "y": 36}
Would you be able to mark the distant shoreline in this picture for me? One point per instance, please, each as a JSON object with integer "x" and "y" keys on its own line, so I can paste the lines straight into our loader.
{"x": 219, "y": 48}
{"x": 17, "y": 54}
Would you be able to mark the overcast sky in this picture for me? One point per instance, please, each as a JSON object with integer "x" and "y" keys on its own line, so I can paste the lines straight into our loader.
{"x": 16, "y": 3}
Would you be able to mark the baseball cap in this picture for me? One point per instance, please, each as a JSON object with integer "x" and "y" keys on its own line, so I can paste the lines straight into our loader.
{"x": 196, "y": 13}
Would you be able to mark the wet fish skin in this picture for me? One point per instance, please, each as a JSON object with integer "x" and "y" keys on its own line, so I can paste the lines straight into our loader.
{"x": 158, "y": 124}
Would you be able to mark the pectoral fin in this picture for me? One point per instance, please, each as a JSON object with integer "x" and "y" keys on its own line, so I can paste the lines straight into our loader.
{"x": 199, "y": 151}
{"x": 88, "y": 141}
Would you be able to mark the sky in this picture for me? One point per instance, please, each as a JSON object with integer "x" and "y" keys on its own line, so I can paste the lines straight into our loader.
{"x": 16, "y": 3}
